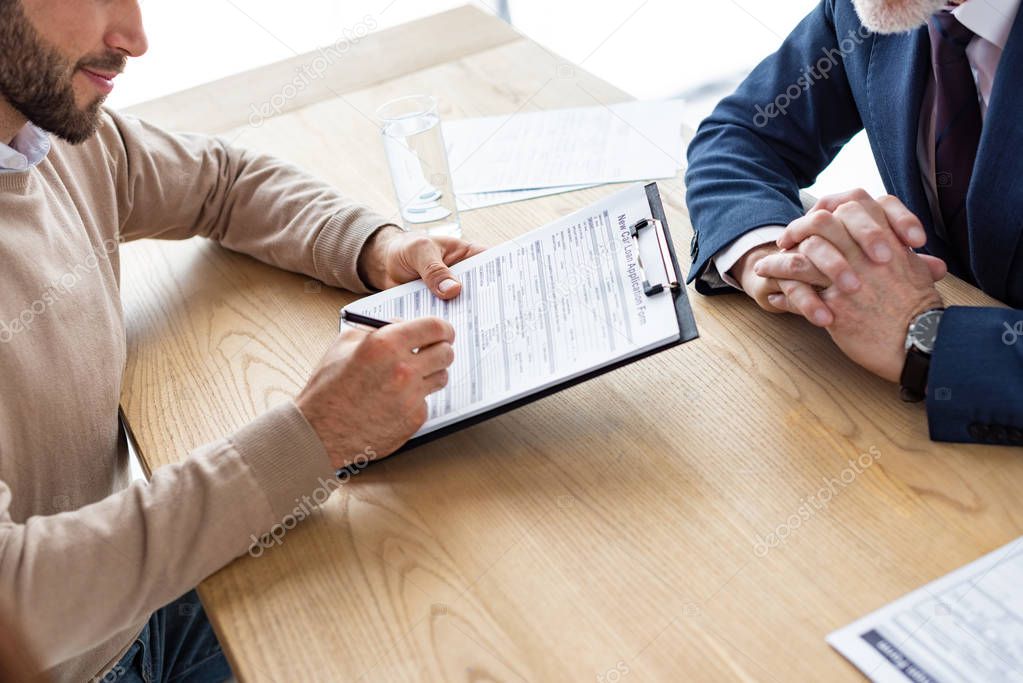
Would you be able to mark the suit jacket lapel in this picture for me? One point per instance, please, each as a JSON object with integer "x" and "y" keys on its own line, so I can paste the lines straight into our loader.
{"x": 898, "y": 73}
{"x": 994, "y": 204}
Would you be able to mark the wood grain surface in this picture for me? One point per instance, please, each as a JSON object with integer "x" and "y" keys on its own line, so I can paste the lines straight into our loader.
{"x": 617, "y": 531}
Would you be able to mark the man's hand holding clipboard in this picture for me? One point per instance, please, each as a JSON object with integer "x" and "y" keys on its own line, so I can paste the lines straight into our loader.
{"x": 564, "y": 303}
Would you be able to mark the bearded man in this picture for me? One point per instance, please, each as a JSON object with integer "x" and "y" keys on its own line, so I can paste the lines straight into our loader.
{"x": 98, "y": 574}
{"x": 935, "y": 87}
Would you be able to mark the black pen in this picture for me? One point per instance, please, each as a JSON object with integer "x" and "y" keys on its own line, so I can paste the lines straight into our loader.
{"x": 359, "y": 319}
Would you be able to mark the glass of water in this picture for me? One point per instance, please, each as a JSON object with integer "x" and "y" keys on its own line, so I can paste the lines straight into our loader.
{"x": 418, "y": 161}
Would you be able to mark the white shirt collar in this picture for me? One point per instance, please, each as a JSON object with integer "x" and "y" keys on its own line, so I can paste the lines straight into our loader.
{"x": 29, "y": 147}
{"x": 992, "y": 20}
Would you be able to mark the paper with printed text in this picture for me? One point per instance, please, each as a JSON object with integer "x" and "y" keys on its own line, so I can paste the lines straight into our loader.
{"x": 543, "y": 308}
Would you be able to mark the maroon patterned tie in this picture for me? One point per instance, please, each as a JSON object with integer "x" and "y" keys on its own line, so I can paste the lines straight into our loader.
{"x": 957, "y": 124}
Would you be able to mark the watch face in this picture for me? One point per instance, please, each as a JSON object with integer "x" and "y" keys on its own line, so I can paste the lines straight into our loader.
{"x": 924, "y": 330}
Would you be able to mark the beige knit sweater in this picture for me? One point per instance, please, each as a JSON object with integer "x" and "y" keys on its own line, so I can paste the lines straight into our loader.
{"x": 84, "y": 557}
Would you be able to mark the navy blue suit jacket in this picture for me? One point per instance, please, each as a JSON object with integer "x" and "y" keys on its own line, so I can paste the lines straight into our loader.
{"x": 830, "y": 79}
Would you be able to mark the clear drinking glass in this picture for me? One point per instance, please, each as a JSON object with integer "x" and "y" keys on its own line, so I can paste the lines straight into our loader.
{"x": 418, "y": 161}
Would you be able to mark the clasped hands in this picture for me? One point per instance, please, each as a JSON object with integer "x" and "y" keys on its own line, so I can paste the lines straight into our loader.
{"x": 848, "y": 266}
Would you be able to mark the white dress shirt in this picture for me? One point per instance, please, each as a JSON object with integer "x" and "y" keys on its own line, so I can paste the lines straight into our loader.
{"x": 991, "y": 21}
{"x": 28, "y": 148}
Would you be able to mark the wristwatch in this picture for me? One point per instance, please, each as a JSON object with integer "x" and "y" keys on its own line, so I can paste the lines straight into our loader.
{"x": 923, "y": 332}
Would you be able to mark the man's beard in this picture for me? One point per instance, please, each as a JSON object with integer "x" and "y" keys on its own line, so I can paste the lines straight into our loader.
{"x": 35, "y": 78}
{"x": 896, "y": 16}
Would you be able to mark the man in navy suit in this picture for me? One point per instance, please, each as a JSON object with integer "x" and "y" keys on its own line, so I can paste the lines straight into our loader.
{"x": 937, "y": 88}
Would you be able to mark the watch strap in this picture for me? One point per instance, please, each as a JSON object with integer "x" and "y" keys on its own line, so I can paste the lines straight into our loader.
{"x": 914, "y": 376}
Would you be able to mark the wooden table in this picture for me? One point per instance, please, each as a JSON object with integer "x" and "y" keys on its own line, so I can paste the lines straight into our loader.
{"x": 607, "y": 533}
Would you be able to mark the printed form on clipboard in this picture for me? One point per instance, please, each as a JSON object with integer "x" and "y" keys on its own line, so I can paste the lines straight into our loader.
{"x": 590, "y": 292}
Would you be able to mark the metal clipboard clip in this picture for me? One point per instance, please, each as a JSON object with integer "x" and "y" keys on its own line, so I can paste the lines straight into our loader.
{"x": 662, "y": 247}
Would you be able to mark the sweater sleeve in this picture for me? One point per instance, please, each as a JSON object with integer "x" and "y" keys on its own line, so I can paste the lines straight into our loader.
{"x": 142, "y": 547}
{"x": 177, "y": 186}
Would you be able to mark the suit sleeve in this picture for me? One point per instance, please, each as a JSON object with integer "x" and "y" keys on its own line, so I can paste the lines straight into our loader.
{"x": 176, "y": 186}
{"x": 973, "y": 390}
{"x": 782, "y": 126}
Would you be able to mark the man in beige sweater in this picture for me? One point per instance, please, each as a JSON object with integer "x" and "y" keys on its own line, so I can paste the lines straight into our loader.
{"x": 87, "y": 561}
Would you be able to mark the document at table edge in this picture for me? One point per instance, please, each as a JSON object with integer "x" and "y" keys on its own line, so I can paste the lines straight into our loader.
{"x": 965, "y": 626}
{"x": 623, "y": 142}
{"x": 482, "y": 200}
{"x": 547, "y": 308}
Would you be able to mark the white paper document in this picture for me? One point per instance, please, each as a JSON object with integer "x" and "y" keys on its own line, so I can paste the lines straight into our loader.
{"x": 546, "y": 307}
{"x": 481, "y": 200}
{"x": 964, "y": 627}
{"x": 587, "y": 145}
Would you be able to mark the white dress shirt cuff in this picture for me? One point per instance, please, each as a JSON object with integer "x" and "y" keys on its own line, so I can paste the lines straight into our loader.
{"x": 722, "y": 262}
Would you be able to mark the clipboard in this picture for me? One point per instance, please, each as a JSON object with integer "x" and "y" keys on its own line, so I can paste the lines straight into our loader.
{"x": 658, "y": 279}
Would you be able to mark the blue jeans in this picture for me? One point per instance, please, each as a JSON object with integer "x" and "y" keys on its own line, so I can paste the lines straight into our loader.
{"x": 176, "y": 646}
